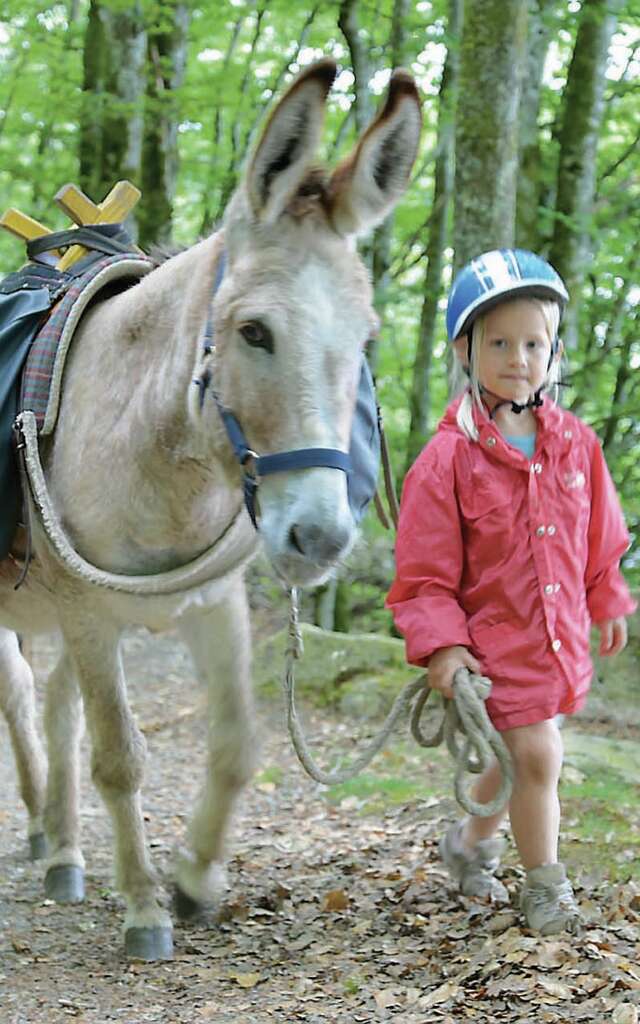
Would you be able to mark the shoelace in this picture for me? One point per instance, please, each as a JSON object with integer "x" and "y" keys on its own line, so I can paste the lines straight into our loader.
{"x": 561, "y": 894}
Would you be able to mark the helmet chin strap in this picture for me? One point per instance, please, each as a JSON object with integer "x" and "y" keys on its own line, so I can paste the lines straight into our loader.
{"x": 534, "y": 402}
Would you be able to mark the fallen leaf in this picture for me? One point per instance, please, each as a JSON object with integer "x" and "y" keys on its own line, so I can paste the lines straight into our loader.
{"x": 335, "y": 900}
{"x": 20, "y": 945}
{"x": 246, "y": 980}
{"x": 555, "y": 988}
{"x": 209, "y": 1010}
{"x": 550, "y": 954}
{"x": 625, "y": 1013}
{"x": 439, "y": 995}
{"x": 302, "y": 942}
{"x": 385, "y": 997}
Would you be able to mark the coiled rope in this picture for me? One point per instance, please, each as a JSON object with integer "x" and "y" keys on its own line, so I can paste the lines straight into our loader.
{"x": 465, "y": 714}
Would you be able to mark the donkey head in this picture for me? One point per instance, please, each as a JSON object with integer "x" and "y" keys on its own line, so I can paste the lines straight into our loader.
{"x": 294, "y": 309}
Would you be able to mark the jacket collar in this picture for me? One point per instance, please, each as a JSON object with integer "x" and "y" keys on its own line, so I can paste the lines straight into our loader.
{"x": 552, "y": 431}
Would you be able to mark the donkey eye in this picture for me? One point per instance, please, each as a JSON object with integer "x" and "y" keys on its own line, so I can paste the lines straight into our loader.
{"x": 257, "y": 335}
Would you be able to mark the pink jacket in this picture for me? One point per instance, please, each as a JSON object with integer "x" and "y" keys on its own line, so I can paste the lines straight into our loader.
{"x": 511, "y": 558}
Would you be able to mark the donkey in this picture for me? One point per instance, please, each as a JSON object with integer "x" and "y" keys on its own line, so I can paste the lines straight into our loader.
{"x": 142, "y": 474}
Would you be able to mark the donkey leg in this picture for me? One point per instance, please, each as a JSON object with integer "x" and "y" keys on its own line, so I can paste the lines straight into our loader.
{"x": 220, "y": 644}
{"x": 118, "y": 752}
{"x": 64, "y": 880}
{"x": 17, "y": 702}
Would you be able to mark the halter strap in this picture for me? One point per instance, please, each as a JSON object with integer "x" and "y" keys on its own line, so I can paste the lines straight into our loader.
{"x": 255, "y": 466}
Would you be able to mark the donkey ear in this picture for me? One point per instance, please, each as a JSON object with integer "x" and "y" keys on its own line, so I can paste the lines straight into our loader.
{"x": 289, "y": 141}
{"x": 369, "y": 182}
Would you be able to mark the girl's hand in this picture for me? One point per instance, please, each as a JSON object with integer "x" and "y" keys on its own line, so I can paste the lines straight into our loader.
{"x": 443, "y": 665}
{"x": 613, "y": 636}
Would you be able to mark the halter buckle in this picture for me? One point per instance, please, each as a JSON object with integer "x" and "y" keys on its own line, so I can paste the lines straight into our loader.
{"x": 250, "y": 461}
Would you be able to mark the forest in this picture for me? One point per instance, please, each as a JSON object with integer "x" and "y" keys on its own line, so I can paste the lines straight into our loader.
{"x": 339, "y": 906}
{"x": 531, "y": 138}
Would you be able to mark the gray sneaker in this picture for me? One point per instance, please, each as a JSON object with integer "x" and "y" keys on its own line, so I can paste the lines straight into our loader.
{"x": 473, "y": 870}
{"x": 547, "y": 901}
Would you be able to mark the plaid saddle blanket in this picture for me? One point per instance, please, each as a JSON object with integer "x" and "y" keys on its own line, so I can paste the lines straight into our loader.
{"x": 39, "y": 312}
{"x": 44, "y": 366}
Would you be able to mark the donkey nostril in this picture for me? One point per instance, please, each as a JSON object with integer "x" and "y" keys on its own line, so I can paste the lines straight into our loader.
{"x": 312, "y": 542}
{"x": 295, "y": 539}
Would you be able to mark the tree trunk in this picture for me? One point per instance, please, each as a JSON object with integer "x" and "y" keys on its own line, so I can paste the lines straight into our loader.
{"x": 242, "y": 145}
{"x": 530, "y": 176}
{"x": 623, "y": 377}
{"x": 113, "y": 88}
{"x": 230, "y": 178}
{"x": 420, "y": 399}
{"x": 491, "y": 56}
{"x": 582, "y": 108}
{"x": 361, "y": 63}
{"x": 331, "y": 606}
{"x": 167, "y": 51}
{"x": 378, "y": 252}
{"x": 374, "y": 251}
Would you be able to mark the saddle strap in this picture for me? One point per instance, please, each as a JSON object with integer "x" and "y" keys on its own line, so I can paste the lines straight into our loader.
{"x": 110, "y": 239}
{"x": 230, "y": 552}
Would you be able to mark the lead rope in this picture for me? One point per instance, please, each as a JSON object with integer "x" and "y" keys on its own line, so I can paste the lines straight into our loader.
{"x": 465, "y": 714}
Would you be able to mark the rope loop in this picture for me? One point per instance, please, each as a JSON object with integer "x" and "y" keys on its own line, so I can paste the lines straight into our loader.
{"x": 466, "y": 715}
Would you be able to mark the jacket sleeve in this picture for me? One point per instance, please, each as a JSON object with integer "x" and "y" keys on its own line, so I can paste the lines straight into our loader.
{"x": 608, "y": 596}
{"x": 429, "y": 560}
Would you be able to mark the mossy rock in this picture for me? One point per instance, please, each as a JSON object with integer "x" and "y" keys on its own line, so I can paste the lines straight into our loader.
{"x": 359, "y": 673}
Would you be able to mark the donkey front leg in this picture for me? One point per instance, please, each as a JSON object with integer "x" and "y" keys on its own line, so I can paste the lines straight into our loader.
{"x": 64, "y": 880}
{"x": 118, "y": 752}
{"x": 220, "y": 645}
{"x": 17, "y": 702}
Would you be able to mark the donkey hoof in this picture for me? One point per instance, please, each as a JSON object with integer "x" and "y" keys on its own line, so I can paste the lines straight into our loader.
{"x": 64, "y": 883}
{"x": 37, "y": 846}
{"x": 149, "y": 943}
{"x": 184, "y": 906}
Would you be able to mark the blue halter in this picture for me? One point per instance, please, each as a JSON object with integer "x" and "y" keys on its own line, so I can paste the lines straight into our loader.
{"x": 255, "y": 466}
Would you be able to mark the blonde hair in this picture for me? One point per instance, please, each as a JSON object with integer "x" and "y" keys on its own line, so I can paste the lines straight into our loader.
{"x": 461, "y": 380}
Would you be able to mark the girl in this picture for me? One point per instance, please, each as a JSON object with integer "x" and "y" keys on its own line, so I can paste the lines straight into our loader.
{"x": 508, "y": 549}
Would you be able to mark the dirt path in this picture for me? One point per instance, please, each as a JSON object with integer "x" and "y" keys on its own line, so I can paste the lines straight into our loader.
{"x": 333, "y": 914}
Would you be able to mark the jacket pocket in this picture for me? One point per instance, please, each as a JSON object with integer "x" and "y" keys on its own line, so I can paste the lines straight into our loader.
{"x": 480, "y": 501}
{"x": 488, "y": 525}
{"x": 575, "y": 493}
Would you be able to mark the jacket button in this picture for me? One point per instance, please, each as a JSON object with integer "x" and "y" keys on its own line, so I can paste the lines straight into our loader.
{"x": 541, "y": 531}
{"x": 491, "y": 441}
{"x": 548, "y": 588}
{"x": 556, "y": 645}
{"x": 568, "y": 434}
{"x": 551, "y": 529}
{"x": 536, "y": 468}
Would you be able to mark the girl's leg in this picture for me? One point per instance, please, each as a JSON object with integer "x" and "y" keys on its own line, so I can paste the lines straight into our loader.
{"x": 534, "y": 808}
{"x": 469, "y": 849}
{"x": 475, "y": 829}
{"x": 547, "y": 901}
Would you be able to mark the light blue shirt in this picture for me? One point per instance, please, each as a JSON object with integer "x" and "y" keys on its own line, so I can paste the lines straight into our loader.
{"x": 526, "y": 444}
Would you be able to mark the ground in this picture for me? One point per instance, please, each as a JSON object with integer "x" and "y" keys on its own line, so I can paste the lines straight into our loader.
{"x": 339, "y": 909}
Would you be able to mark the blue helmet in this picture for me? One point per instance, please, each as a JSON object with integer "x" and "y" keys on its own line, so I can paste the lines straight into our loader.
{"x": 496, "y": 275}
